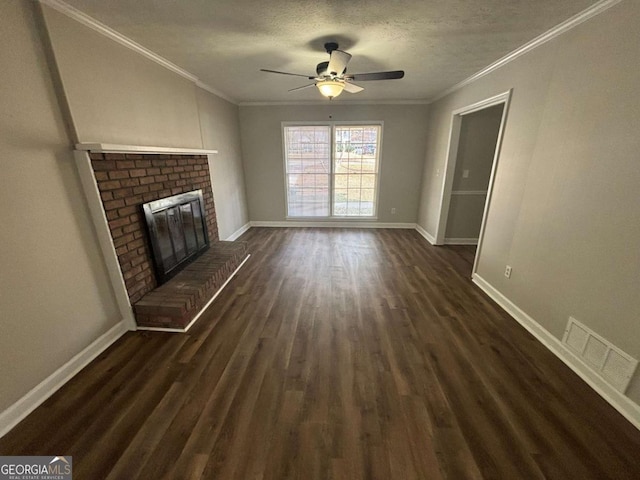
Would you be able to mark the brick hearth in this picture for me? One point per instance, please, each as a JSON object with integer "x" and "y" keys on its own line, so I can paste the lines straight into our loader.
{"x": 175, "y": 303}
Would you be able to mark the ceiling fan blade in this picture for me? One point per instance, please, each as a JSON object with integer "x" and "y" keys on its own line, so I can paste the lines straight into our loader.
{"x": 286, "y": 73}
{"x": 360, "y": 77}
{"x": 352, "y": 88}
{"x": 338, "y": 62}
{"x": 300, "y": 88}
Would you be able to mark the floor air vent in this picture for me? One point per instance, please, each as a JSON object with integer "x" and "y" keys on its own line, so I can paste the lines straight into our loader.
{"x": 615, "y": 366}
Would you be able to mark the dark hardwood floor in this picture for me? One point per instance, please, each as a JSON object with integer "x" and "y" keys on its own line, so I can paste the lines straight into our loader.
{"x": 336, "y": 354}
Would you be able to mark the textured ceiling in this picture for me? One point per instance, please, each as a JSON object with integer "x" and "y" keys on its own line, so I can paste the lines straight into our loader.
{"x": 225, "y": 42}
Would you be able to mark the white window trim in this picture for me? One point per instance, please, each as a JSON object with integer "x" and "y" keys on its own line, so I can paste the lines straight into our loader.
{"x": 332, "y": 125}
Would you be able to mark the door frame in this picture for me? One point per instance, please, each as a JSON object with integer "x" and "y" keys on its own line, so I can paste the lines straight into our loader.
{"x": 451, "y": 159}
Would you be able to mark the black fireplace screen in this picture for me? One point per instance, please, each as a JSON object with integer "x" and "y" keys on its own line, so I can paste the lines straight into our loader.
{"x": 177, "y": 230}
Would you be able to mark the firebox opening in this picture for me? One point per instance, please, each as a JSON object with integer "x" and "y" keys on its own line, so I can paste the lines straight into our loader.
{"x": 177, "y": 231}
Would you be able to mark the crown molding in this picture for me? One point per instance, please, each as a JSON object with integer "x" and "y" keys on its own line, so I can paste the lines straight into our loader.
{"x": 112, "y": 34}
{"x": 329, "y": 103}
{"x": 592, "y": 11}
{"x": 215, "y": 91}
{"x": 103, "y": 29}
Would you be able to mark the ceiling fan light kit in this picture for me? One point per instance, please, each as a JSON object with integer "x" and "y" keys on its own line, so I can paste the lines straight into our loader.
{"x": 330, "y": 88}
{"x": 331, "y": 78}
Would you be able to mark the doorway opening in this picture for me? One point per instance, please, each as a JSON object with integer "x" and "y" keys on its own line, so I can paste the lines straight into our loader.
{"x": 474, "y": 149}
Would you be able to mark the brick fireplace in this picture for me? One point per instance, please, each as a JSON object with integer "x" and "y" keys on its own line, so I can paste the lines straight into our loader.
{"x": 118, "y": 180}
{"x": 125, "y": 182}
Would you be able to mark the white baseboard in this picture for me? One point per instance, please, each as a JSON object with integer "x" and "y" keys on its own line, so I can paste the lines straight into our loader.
{"x": 238, "y": 232}
{"x": 41, "y": 392}
{"x": 332, "y": 224}
{"x": 431, "y": 239}
{"x": 623, "y": 404}
{"x": 186, "y": 329}
{"x": 461, "y": 241}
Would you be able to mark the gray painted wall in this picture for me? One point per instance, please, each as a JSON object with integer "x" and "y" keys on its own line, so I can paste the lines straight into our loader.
{"x": 476, "y": 148}
{"x": 219, "y": 121}
{"x": 565, "y": 211}
{"x": 117, "y": 96}
{"x": 55, "y": 295}
{"x": 402, "y": 157}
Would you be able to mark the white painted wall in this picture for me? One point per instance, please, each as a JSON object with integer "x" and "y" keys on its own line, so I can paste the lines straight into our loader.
{"x": 402, "y": 157}
{"x": 565, "y": 212}
{"x": 55, "y": 295}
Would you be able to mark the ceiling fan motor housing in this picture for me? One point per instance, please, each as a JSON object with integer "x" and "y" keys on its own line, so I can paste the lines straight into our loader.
{"x": 330, "y": 47}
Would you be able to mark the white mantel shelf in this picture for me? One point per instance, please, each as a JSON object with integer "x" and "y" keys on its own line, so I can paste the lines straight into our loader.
{"x": 115, "y": 148}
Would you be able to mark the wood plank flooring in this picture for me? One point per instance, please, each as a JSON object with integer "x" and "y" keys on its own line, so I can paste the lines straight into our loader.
{"x": 336, "y": 354}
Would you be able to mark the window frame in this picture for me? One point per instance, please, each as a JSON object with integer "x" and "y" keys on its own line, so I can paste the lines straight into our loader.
{"x": 332, "y": 176}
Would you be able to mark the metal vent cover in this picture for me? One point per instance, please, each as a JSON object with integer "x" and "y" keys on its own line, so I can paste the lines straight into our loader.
{"x": 614, "y": 365}
{"x": 595, "y": 352}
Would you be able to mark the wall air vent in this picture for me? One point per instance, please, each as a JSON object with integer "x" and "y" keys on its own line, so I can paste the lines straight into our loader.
{"x": 611, "y": 363}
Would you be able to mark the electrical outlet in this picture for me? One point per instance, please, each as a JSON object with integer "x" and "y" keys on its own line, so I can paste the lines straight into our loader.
{"x": 393, "y": 211}
{"x": 507, "y": 271}
{"x": 465, "y": 173}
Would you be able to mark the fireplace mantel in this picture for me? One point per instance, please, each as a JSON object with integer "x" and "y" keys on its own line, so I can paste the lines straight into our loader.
{"x": 115, "y": 148}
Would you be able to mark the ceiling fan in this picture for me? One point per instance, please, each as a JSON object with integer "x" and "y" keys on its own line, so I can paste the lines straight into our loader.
{"x": 332, "y": 78}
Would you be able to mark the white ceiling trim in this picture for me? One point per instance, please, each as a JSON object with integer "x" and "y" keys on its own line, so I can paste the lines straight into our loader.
{"x": 110, "y": 33}
{"x": 215, "y": 91}
{"x": 334, "y": 102}
{"x": 559, "y": 29}
{"x": 107, "y": 31}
